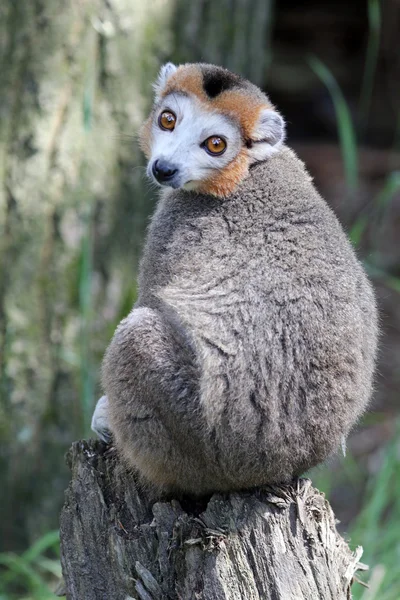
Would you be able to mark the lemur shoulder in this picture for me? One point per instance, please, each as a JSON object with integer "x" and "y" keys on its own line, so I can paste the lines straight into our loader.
{"x": 250, "y": 351}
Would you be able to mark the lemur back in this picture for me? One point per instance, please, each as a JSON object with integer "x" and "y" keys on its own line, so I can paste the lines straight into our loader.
{"x": 249, "y": 354}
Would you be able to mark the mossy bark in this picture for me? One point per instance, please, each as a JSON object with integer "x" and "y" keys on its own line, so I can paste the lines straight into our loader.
{"x": 72, "y": 213}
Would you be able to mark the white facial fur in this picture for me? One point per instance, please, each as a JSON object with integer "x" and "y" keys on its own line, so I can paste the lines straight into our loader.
{"x": 182, "y": 147}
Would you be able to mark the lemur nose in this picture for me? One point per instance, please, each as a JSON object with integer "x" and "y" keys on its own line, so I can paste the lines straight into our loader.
{"x": 163, "y": 171}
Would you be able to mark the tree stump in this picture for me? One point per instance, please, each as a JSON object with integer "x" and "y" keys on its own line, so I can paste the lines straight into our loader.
{"x": 119, "y": 541}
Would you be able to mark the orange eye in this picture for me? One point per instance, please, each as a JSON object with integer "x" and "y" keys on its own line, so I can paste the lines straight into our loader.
{"x": 167, "y": 120}
{"x": 215, "y": 145}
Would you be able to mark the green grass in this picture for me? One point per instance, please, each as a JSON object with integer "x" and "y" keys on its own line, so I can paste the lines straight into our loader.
{"x": 374, "y": 216}
{"x": 33, "y": 574}
{"x": 377, "y": 216}
{"x": 377, "y": 527}
{"x": 346, "y": 130}
{"x": 371, "y": 60}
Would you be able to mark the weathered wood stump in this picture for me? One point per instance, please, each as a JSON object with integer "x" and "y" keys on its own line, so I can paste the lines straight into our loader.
{"x": 118, "y": 541}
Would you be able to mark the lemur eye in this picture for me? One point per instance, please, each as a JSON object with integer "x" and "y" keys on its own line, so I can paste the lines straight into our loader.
{"x": 215, "y": 145}
{"x": 167, "y": 120}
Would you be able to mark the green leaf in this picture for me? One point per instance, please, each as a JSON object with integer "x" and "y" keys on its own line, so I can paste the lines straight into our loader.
{"x": 345, "y": 126}
{"x": 357, "y": 231}
{"x": 27, "y": 576}
{"x": 50, "y": 566}
{"x": 49, "y": 540}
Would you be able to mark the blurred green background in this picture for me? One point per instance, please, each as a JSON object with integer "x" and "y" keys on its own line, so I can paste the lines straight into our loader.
{"x": 75, "y": 85}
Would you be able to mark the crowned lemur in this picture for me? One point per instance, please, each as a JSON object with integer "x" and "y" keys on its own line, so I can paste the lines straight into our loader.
{"x": 250, "y": 351}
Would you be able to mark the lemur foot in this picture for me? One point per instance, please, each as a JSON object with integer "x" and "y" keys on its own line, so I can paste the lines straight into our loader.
{"x": 100, "y": 420}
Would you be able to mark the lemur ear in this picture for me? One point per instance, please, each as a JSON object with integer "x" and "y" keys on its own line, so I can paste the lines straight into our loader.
{"x": 165, "y": 73}
{"x": 268, "y": 134}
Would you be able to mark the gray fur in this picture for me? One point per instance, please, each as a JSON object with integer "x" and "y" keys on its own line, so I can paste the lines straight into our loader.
{"x": 250, "y": 351}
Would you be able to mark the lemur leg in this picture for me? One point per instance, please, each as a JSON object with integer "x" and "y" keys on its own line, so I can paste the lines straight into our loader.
{"x": 100, "y": 420}
{"x": 151, "y": 378}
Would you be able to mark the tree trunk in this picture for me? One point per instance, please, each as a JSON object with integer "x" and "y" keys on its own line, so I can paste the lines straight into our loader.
{"x": 75, "y": 80}
{"x": 119, "y": 542}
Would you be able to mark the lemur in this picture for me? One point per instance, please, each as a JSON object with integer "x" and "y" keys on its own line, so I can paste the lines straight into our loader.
{"x": 250, "y": 351}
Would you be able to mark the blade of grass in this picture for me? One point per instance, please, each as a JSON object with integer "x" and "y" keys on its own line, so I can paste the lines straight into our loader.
{"x": 393, "y": 283}
{"x": 379, "y": 496}
{"x": 376, "y": 273}
{"x": 49, "y": 565}
{"x": 375, "y": 582}
{"x": 391, "y": 187}
{"x": 374, "y": 22}
{"x": 377, "y": 526}
{"x": 26, "y": 574}
{"x": 49, "y": 540}
{"x": 382, "y": 201}
{"x": 345, "y": 125}
{"x": 357, "y": 231}
{"x": 23, "y": 569}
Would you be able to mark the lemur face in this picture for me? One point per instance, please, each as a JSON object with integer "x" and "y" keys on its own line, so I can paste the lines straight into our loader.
{"x": 206, "y": 128}
{"x": 190, "y": 144}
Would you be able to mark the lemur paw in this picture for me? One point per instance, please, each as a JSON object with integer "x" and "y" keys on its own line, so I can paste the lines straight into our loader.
{"x": 100, "y": 420}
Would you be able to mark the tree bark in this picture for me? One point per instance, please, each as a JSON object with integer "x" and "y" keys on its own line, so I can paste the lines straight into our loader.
{"x": 119, "y": 541}
{"x": 75, "y": 81}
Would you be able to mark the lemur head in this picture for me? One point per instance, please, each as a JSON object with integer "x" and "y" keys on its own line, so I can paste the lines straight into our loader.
{"x": 206, "y": 128}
